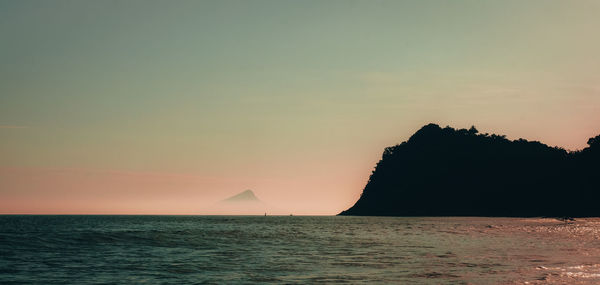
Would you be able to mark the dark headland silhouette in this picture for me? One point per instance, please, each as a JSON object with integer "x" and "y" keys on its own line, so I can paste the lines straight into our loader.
{"x": 459, "y": 172}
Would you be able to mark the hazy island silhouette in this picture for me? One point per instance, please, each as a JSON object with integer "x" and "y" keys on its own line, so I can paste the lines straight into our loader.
{"x": 460, "y": 172}
{"x": 243, "y": 203}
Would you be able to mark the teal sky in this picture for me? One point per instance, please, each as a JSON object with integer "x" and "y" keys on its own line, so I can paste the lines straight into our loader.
{"x": 294, "y": 99}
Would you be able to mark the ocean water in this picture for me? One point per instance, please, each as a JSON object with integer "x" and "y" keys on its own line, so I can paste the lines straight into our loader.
{"x": 286, "y": 249}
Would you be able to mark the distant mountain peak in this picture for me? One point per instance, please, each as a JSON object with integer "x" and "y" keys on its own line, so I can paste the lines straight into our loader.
{"x": 245, "y": 196}
{"x": 243, "y": 203}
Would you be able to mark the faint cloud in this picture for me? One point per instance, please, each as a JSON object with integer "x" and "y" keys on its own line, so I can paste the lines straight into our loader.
{"x": 499, "y": 91}
{"x": 13, "y": 127}
{"x": 389, "y": 78}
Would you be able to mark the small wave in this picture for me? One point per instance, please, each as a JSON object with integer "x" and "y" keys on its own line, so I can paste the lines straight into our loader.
{"x": 433, "y": 275}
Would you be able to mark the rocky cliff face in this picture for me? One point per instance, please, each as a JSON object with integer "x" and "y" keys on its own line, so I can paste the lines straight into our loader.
{"x": 459, "y": 172}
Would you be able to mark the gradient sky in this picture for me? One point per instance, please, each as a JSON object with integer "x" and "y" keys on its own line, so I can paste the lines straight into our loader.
{"x": 164, "y": 107}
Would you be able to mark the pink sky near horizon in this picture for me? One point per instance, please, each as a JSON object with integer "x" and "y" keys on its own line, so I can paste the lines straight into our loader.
{"x": 89, "y": 191}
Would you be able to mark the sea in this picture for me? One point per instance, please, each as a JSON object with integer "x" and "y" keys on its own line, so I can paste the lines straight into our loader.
{"x": 297, "y": 250}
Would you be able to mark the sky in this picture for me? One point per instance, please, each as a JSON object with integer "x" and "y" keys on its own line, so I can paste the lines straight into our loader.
{"x": 166, "y": 107}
